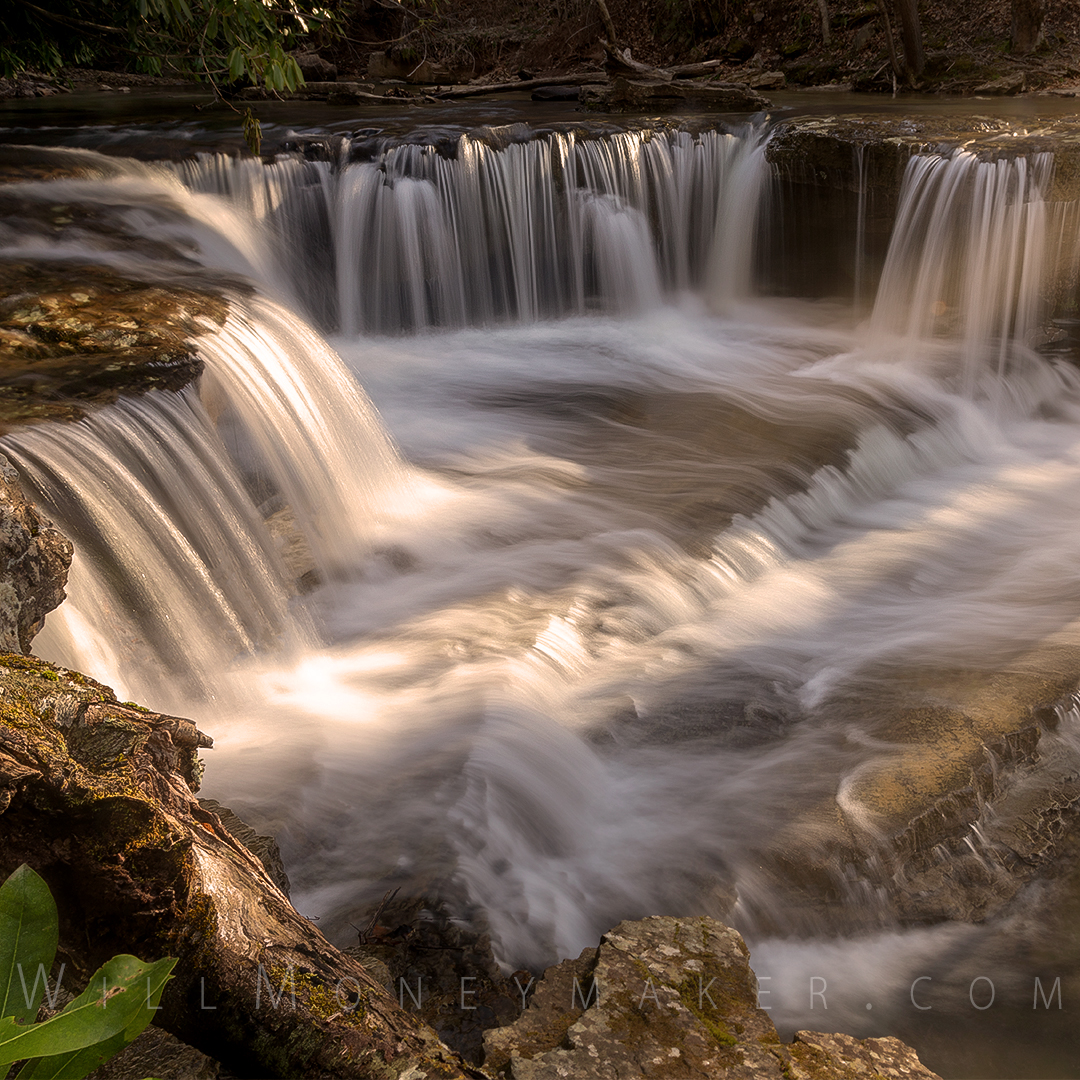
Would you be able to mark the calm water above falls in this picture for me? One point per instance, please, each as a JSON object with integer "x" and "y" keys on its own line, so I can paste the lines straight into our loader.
{"x": 602, "y": 540}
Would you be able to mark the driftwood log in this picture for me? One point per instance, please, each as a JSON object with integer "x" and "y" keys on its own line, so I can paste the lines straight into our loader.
{"x": 620, "y": 63}
{"x": 98, "y": 797}
{"x": 581, "y": 78}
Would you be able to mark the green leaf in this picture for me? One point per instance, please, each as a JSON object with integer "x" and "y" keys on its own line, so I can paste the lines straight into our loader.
{"x": 116, "y": 996}
{"x": 78, "y": 1063}
{"x": 294, "y": 77}
{"x": 28, "y": 939}
{"x": 236, "y": 64}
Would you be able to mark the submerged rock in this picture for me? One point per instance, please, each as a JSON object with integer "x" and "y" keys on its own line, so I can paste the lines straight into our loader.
{"x": 441, "y": 967}
{"x": 977, "y": 798}
{"x": 665, "y": 997}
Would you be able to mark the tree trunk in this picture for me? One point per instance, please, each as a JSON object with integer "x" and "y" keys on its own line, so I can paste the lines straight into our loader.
{"x": 826, "y": 34}
{"x": 1027, "y": 20}
{"x": 605, "y": 18}
{"x": 911, "y": 31}
{"x": 897, "y": 70}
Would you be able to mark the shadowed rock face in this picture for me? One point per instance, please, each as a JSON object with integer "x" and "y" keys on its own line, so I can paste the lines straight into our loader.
{"x": 672, "y": 998}
{"x": 823, "y": 163}
{"x": 34, "y": 561}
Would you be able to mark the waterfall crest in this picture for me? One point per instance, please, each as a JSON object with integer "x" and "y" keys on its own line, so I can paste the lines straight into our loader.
{"x": 559, "y": 225}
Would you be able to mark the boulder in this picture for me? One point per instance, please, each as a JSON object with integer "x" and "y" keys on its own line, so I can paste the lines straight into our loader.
{"x": 1006, "y": 85}
{"x": 314, "y": 68}
{"x": 768, "y": 80}
{"x": 665, "y": 997}
{"x": 412, "y": 68}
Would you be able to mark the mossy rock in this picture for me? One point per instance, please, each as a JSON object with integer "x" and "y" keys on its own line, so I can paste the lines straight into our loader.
{"x": 675, "y": 999}
{"x": 77, "y": 337}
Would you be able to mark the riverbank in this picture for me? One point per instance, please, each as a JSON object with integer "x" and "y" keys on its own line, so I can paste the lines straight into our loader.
{"x": 840, "y": 44}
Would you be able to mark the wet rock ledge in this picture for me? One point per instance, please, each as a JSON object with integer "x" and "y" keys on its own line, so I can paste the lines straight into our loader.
{"x": 76, "y": 337}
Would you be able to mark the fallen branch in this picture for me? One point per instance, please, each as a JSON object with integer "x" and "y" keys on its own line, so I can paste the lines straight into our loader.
{"x": 620, "y": 62}
{"x": 522, "y": 84}
{"x": 688, "y": 71}
{"x": 365, "y": 935}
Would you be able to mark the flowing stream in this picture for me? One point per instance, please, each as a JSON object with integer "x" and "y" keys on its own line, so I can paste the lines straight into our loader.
{"x": 596, "y": 536}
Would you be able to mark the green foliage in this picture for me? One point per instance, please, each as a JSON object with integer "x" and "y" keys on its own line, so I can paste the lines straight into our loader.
{"x": 99, "y": 1023}
{"x": 252, "y": 132}
{"x": 222, "y": 41}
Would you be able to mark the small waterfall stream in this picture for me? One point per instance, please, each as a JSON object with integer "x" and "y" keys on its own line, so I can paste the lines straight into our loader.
{"x": 601, "y": 537}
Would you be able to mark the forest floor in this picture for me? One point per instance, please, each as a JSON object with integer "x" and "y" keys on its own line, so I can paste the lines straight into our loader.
{"x": 966, "y": 41}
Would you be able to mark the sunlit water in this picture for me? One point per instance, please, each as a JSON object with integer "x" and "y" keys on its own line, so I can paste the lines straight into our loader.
{"x": 598, "y": 541}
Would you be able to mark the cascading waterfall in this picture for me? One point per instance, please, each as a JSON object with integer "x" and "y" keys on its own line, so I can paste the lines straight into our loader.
{"x": 531, "y": 229}
{"x": 627, "y": 530}
{"x": 174, "y": 567}
{"x": 968, "y": 258}
{"x": 317, "y": 432}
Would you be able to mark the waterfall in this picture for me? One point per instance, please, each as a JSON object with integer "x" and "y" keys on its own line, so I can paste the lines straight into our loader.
{"x": 174, "y": 572}
{"x": 968, "y": 257}
{"x": 611, "y": 552}
{"x": 315, "y": 428}
{"x": 504, "y": 230}
{"x": 174, "y": 565}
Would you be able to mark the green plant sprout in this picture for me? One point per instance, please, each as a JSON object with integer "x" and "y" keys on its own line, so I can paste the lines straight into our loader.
{"x": 113, "y": 1009}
